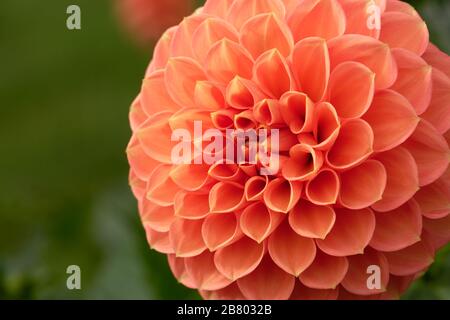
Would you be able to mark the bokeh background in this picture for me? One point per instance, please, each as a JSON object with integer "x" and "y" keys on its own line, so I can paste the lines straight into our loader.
{"x": 64, "y": 195}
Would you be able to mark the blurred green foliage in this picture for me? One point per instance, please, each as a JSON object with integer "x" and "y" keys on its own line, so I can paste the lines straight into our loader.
{"x": 64, "y": 196}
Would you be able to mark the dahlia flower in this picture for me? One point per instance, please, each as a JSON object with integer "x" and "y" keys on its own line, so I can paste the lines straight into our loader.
{"x": 363, "y": 113}
{"x": 148, "y": 19}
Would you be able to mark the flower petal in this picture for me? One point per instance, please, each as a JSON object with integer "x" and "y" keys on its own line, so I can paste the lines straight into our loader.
{"x": 220, "y": 230}
{"x": 186, "y": 237}
{"x": 179, "y": 271}
{"x": 411, "y": 259}
{"x": 282, "y": 195}
{"x": 326, "y": 126}
{"x": 154, "y": 95}
{"x": 304, "y": 162}
{"x": 255, "y": 187}
{"x": 191, "y": 206}
{"x": 302, "y": 292}
{"x": 323, "y": 189}
{"x": 438, "y": 59}
{"x": 190, "y": 177}
{"x": 297, "y": 111}
{"x": 242, "y": 93}
{"x": 157, "y": 217}
{"x": 434, "y": 199}
{"x": 226, "y": 197}
{"x": 243, "y": 10}
{"x": 258, "y": 222}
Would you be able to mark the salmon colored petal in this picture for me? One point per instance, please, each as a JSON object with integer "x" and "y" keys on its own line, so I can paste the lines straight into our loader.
{"x": 326, "y": 272}
{"x": 351, "y": 233}
{"x": 396, "y": 287}
{"x": 186, "y": 237}
{"x": 414, "y": 79}
{"x": 326, "y": 126}
{"x": 137, "y": 185}
{"x": 311, "y": 66}
{"x": 320, "y": 18}
{"x": 410, "y": 260}
{"x": 345, "y": 295}
{"x": 397, "y": 229}
{"x": 161, "y": 53}
{"x": 264, "y": 32}
{"x": 217, "y": 8}
{"x": 156, "y": 217}
{"x": 226, "y": 197}
{"x": 304, "y": 162}
{"x": 255, "y": 187}
{"x": 137, "y": 115}
{"x": 400, "y": 6}
{"x": 190, "y": 177}
{"x": 158, "y": 125}
{"x": 242, "y": 93}
{"x": 207, "y": 96}
{"x": 142, "y": 164}
{"x": 438, "y": 59}
{"x": 220, "y": 230}
{"x": 400, "y": 30}
{"x": 158, "y": 241}
{"x": 203, "y": 272}
{"x": 351, "y": 89}
{"x": 362, "y": 186}
{"x": 439, "y": 230}
{"x": 282, "y": 195}
{"x": 358, "y": 13}
{"x": 402, "y": 179}
{"x": 209, "y": 32}
{"x": 310, "y": 220}
{"x": 227, "y": 59}
{"x": 239, "y": 259}
{"x": 231, "y": 292}
{"x": 434, "y": 199}
{"x": 243, "y": 10}
{"x": 226, "y": 172}
{"x": 181, "y": 75}
{"x": 302, "y": 292}
{"x": 258, "y": 222}
{"x": 392, "y": 119}
{"x": 323, "y": 189}
{"x": 273, "y": 63}
{"x": 430, "y": 151}
{"x": 223, "y": 119}
{"x": 287, "y": 139}
{"x": 179, "y": 271}
{"x": 181, "y": 42}
{"x": 154, "y": 95}
{"x": 191, "y": 206}
{"x": 437, "y": 113}
{"x": 267, "y": 112}
{"x": 353, "y": 145}
{"x": 245, "y": 120}
{"x": 290, "y": 251}
{"x": 297, "y": 111}
{"x": 161, "y": 189}
{"x": 374, "y": 54}
{"x": 258, "y": 286}
{"x": 356, "y": 279}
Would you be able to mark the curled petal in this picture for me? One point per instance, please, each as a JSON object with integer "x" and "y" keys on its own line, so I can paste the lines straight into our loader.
{"x": 161, "y": 53}
{"x": 351, "y": 89}
{"x": 353, "y": 145}
{"x": 258, "y": 222}
{"x": 223, "y": 118}
{"x": 438, "y": 230}
{"x": 323, "y": 189}
{"x": 137, "y": 185}
{"x": 258, "y": 286}
{"x": 311, "y": 66}
{"x": 218, "y": 8}
{"x": 191, "y": 206}
{"x": 269, "y": 64}
{"x": 304, "y": 162}
{"x": 245, "y": 120}
{"x": 302, "y": 292}
{"x": 414, "y": 79}
{"x": 310, "y": 220}
{"x": 356, "y": 279}
{"x": 264, "y": 32}
{"x": 392, "y": 119}
{"x": 326, "y": 126}
{"x": 362, "y": 186}
{"x": 297, "y": 111}
{"x": 227, "y": 59}
{"x": 242, "y": 10}
{"x": 207, "y": 96}
{"x": 226, "y": 172}
{"x": 190, "y": 177}
{"x": 397, "y": 229}
{"x": 220, "y": 230}
{"x": 186, "y": 237}
{"x": 239, "y": 259}
{"x": 434, "y": 199}
{"x": 142, "y": 164}
{"x": 154, "y": 95}
{"x": 400, "y": 30}
{"x": 255, "y": 187}
{"x": 324, "y": 18}
{"x": 402, "y": 178}
{"x": 290, "y": 251}
{"x": 351, "y": 233}
{"x": 209, "y": 32}
{"x": 326, "y": 272}
{"x": 181, "y": 42}
{"x": 161, "y": 189}
{"x": 137, "y": 115}
{"x": 400, "y": 6}
{"x": 179, "y": 271}
{"x": 410, "y": 260}
{"x": 438, "y": 59}
{"x": 156, "y": 217}
{"x": 203, "y": 272}
{"x": 430, "y": 151}
{"x": 437, "y": 113}
{"x": 282, "y": 195}
{"x": 158, "y": 241}
{"x": 242, "y": 93}
{"x": 267, "y": 112}
{"x": 226, "y": 197}
{"x": 375, "y": 54}
{"x": 181, "y": 75}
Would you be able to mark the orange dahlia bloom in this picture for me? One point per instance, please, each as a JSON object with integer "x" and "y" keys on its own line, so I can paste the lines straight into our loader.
{"x": 148, "y": 19}
{"x": 364, "y": 118}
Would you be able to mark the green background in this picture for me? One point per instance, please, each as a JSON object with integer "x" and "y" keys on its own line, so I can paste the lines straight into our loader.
{"x": 64, "y": 195}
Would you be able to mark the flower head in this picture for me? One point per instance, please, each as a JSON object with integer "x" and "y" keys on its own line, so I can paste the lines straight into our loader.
{"x": 361, "y": 102}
